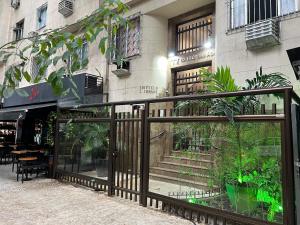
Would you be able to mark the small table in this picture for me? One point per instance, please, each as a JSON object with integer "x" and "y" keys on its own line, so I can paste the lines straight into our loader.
{"x": 35, "y": 151}
{"x": 16, "y": 155}
{"x": 13, "y": 146}
{"x": 21, "y": 152}
{"x": 27, "y": 159}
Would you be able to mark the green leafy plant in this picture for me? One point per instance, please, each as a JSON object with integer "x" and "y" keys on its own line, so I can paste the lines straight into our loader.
{"x": 244, "y": 168}
{"x": 93, "y": 137}
{"x": 51, "y": 125}
{"x": 53, "y": 49}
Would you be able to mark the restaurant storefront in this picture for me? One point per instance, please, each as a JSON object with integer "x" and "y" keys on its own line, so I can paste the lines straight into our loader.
{"x": 28, "y": 122}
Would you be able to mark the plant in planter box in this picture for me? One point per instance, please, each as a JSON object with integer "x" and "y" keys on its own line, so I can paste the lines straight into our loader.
{"x": 268, "y": 182}
{"x": 236, "y": 178}
{"x": 239, "y": 175}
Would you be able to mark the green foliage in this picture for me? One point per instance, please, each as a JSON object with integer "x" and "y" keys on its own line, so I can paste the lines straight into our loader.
{"x": 256, "y": 168}
{"x": 221, "y": 81}
{"x": 266, "y": 81}
{"x": 53, "y": 49}
{"x": 51, "y": 124}
{"x": 92, "y": 137}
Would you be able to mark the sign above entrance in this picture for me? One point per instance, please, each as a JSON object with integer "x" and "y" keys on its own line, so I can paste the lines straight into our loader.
{"x": 191, "y": 58}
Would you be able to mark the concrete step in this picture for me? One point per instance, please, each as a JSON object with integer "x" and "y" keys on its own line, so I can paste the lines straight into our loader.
{"x": 182, "y": 182}
{"x": 193, "y": 155}
{"x": 184, "y": 167}
{"x": 186, "y": 174}
{"x": 187, "y": 161}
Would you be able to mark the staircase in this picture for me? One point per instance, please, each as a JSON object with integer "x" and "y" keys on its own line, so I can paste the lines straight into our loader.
{"x": 187, "y": 169}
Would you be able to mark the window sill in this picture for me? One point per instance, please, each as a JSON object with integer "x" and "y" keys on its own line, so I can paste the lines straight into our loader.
{"x": 40, "y": 28}
{"x": 295, "y": 14}
{"x": 113, "y": 61}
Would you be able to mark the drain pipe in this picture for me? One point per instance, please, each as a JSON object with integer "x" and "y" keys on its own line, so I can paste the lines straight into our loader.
{"x": 108, "y": 60}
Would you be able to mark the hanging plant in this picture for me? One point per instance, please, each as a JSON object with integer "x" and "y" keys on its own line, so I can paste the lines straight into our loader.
{"x": 51, "y": 125}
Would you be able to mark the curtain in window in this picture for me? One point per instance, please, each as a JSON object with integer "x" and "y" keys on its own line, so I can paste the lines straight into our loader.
{"x": 42, "y": 17}
{"x": 287, "y": 6}
{"x": 237, "y": 13}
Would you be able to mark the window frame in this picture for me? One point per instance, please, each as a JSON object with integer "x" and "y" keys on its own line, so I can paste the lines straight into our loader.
{"x": 83, "y": 54}
{"x": 42, "y": 8}
{"x": 231, "y": 18}
{"x": 19, "y": 30}
{"x": 127, "y": 28}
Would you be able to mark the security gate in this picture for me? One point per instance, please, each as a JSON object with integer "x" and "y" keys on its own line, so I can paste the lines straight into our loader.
{"x": 127, "y": 152}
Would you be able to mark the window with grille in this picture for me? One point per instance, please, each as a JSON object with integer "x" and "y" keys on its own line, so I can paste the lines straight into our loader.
{"x": 35, "y": 68}
{"x": 81, "y": 55}
{"x": 127, "y": 39}
{"x": 244, "y": 12}
{"x": 19, "y": 30}
{"x": 38, "y": 69}
{"x": 192, "y": 35}
{"x": 188, "y": 81}
{"x": 42, "y": 16}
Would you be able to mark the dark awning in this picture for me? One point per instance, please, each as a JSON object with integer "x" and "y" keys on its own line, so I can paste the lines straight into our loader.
{"x": 15, "y": 113}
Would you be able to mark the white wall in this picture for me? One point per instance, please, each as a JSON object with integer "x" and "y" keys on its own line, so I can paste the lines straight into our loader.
{"x": 231, "y": 49}
{"x": 149, "y": 69}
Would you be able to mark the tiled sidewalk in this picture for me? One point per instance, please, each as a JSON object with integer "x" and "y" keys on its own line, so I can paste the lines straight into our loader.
{"x": 44, "y": 201}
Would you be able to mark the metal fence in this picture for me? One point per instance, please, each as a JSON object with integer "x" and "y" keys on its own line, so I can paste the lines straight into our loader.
{"x": 139, "y": 146}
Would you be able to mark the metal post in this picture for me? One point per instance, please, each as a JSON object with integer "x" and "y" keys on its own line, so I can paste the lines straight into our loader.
{"x": 144, "y": 179}
{"x": 112, "y": 149}
{"x": 56, "y": 143}
{"x": 288, "y": 163}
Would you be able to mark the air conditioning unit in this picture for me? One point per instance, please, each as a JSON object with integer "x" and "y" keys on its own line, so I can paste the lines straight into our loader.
{"x": 262, "y": 34}
{"x": 65, "y": 7}
{"x": 15, "y": 4}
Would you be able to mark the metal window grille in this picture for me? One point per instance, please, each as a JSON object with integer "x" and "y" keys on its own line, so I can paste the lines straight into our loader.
{"x": 192, "y": 35}
{"x": 81, "y": 53}
{"x": 188, "y": 82}
{"x": 127, "y": 39}
{"x": 35, "y": 68}
{"x": 19, "y": 29}
{"x": 242, "y": 12}
{"x": 65, "y": 7}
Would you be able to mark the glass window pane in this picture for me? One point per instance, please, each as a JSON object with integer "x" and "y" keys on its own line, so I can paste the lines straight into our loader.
{"x": 234, "y": 167}
{"x": 84, "y": 148}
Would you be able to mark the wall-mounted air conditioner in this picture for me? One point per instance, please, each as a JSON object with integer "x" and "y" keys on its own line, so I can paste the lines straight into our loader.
{"x": 65, "y": 7}
{"x": 262, "y": 34}
{"x": 15, "y": 4}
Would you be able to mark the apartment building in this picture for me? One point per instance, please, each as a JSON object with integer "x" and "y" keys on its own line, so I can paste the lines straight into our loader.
{"x": 171, "y": 40}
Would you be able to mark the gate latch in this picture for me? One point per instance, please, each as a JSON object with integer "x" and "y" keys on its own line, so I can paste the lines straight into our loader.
{"x": 115, "y": 154}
